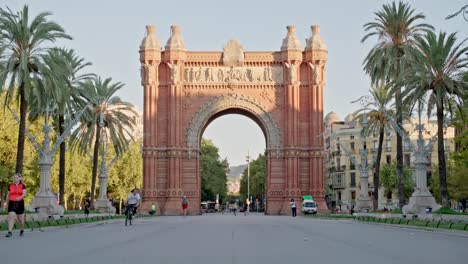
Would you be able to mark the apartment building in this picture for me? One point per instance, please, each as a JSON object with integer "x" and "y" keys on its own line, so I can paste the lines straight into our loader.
{"x": 342, "y": 177}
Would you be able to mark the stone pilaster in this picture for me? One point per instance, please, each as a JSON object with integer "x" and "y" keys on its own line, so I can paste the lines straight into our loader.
{"x": 291, "y": 54}
{"x": 316, "y": 56}
{"x": 174, "y": 57}
{"x": 150, "y": 58}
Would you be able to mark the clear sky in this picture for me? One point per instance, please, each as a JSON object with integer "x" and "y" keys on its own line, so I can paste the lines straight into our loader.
{"x": 108, "y": 34}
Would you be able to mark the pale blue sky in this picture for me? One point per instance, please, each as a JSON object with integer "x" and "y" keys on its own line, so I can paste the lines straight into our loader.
{"x": 108, "y": 34}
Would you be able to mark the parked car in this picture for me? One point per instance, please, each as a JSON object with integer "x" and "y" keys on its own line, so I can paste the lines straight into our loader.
{"x": 309, "y": 207}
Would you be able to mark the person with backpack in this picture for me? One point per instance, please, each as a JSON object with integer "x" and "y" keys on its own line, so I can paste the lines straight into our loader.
{"x": 15, "y": 197}
{"x": 184, "y": 205}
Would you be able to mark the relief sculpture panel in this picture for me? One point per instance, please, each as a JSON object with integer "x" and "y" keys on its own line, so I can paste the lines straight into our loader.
{"x": 234, "y": 74}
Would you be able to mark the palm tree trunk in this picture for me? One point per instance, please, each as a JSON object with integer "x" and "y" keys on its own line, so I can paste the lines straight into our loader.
{"x": 21, "y": 131}
{"x": 62, "y": 162}
{"x": 399, "y": 143}
{"x": 377, "y": 168}
{"x": 95, "y": 164}
{"x": 441, "y": 156}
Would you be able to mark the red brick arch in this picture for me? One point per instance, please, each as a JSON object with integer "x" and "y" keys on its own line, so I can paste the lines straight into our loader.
{"x": 185, "y": 90}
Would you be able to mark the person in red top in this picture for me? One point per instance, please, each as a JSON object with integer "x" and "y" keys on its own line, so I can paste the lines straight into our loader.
{"x": 16, "y": 194}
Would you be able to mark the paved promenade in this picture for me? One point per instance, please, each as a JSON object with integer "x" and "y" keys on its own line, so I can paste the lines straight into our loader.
{"x": 234, "y": 239}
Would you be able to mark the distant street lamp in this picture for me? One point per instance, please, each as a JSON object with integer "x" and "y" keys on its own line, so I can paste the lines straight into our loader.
{"x": 248, "y": 178}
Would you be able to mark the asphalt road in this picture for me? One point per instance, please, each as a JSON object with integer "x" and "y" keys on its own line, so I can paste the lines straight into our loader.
{"x": 234, "y": 239}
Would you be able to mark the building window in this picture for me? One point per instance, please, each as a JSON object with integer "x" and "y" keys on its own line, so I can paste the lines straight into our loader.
{"x": 352, "y": 145}
{"x": 351, "y": 166}
{"x": 388, "y": 145}
{"x": 352, "y": 137}
{"x": 389, "y": 159}
{"x": 389, "y": 195}
{"x": 339, "y": 196}
{"x": 407, "y": 159}
{"x": 406, "y": 146}
{"x": 353, "y": 195}
{"x": 353, "y": 179}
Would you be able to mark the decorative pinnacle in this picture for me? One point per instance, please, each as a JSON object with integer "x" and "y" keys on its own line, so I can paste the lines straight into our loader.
{"x": 150, "y": 41}
{"x": 175, "y": 42}
{"x": 291, "y": 42}
{"x": 316, "y": 42}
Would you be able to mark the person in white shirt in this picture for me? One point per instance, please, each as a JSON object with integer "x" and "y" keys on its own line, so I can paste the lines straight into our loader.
{"x": 133, "y": 200}
{"x": 293, "y": 207}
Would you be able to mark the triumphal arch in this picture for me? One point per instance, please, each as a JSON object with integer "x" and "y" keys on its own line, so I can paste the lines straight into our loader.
{"x": 282, "y": 91}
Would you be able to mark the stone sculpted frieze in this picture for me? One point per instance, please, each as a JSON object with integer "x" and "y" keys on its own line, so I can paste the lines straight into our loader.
{"x": 233, "y": 74}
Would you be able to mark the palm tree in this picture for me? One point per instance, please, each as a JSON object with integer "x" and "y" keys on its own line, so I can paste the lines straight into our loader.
{"x": 58, "y": 90}
{"x": 437, "y": 71}
{"x": 22, "y": 44}
{"x": 118, "y": 118}
{"x": 396, "y": 27}
{"x": 377, "y": 123}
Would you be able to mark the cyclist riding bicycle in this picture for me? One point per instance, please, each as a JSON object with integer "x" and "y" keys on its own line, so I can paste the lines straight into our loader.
{"x": 133, "y": 200}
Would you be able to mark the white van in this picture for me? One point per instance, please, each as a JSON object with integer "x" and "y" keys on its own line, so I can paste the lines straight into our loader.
{"x": 309, "y": 207}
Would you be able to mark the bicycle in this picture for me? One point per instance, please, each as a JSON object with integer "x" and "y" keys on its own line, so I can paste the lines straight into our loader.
{"x": 129, "y": 214}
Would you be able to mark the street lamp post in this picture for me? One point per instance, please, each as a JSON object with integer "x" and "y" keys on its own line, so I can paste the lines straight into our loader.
{"x": 248, "y": 178}
{"x": 421, "y": 199}
{"x": 363, "y": 202}
{"x": 45, "y": 199}
{"x": 102, "y": 203}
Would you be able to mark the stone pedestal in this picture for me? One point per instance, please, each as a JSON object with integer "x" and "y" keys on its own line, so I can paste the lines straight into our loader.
{"x": 363, "y": 204}
{"x": 419, "y": 202}
{"x": 47, "y": 204}
{"x": 44, "y": 199}
{"x": 104, "y": 206}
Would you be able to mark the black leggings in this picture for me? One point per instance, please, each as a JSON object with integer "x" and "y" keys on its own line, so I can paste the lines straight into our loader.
{"x": 293, "y": 210}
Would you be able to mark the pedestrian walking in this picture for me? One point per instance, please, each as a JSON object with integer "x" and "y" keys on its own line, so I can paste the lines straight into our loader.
{"x": 234, "y": 208}
{"x": 87, "y": 206}
{"x": 293, "y": 207}
{"x": 15, "y": 197}
{"x": 184, "y": 205}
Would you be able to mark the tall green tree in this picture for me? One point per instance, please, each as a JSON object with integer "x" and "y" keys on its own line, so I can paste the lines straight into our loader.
{"x": 118, "y": 119}
{"x": 22, "y": 43}
{"x": 257, "y": 179}
{"x": 214, "y": 172}
{"x": 396, "y": 26}
{"x": 377, "y": 123}
{"x": 438, "y": 66}
{"x": 57, "y": 91}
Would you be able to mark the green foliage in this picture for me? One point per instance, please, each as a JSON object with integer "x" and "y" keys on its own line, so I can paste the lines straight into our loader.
{"x": 78, "y": 180}
{"x": 22, "y": 43}
{"x": 213, "y": 172}
{"x": 457, "y": 178}
{"x": 257, "y": 179}
{"x": 127, "y": 173}
{"x": 8, "y": 149}
{"x": 445, "y": 210}
{"x": 389, "y": 179}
